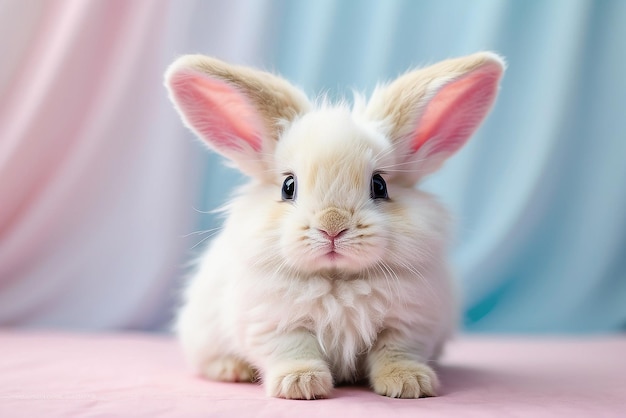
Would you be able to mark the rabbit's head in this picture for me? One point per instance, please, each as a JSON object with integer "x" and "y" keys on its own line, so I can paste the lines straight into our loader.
{"x": 334, "y": 188}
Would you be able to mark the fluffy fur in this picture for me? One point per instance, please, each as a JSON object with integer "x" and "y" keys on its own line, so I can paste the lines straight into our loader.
{"x": 333, "y": 286}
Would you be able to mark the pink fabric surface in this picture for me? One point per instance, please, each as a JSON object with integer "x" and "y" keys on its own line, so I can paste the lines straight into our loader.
{"x": 103, "y": 375}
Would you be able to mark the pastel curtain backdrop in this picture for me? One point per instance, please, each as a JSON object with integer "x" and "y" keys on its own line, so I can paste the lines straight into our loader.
{"x": 101, "y": 188}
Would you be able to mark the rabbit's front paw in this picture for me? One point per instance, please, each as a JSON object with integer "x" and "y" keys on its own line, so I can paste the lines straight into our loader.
{"x": 404, "y": 379}
{"x": 229, "y": 369}
{"x": 310, "y": 379}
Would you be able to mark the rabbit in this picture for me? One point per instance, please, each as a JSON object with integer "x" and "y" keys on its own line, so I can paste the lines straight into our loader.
{"x": 331, "y": 264}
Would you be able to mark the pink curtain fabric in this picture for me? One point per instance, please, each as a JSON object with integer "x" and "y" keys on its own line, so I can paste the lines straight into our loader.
{"x": 96, "y": 182}
{"x": 99, "y": 181}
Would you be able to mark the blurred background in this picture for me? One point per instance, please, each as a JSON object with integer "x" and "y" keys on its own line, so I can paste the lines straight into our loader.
{"x": 102, "y": 190}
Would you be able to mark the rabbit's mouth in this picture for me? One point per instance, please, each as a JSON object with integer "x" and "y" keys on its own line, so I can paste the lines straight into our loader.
{"x": 332, "y": 255}
{"x": 344, "y": 248}
{"x": 337, "y": 257}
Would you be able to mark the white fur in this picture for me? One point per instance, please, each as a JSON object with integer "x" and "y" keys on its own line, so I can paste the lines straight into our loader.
{"x": 267, "y": 299}
{"x": 259, "y": 281}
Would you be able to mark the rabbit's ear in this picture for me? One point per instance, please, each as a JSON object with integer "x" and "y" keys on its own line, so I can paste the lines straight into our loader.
{"x": 431, "y": 112}
{"x": 236, "y": 110}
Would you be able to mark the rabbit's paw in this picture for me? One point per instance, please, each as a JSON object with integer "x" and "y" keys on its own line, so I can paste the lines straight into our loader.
{"x": 404, "y": 379}
{"x": 299, "y": 380}
{"x": 229, "y": 369}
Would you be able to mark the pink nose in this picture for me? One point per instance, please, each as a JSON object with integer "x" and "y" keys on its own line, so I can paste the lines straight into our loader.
{"x": 332, "y": 235}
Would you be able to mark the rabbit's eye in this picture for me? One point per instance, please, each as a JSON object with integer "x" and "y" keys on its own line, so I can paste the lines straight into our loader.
{"x": 378, "y": 187}
{"x": 289, "y": 188}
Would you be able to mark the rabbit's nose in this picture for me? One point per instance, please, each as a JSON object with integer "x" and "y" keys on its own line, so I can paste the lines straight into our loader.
{"x": 332, "y": 235}
{"x": 333, "y": 222}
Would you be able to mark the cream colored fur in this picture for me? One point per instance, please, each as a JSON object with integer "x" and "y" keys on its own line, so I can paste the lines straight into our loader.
{"x": 268, "y": 302}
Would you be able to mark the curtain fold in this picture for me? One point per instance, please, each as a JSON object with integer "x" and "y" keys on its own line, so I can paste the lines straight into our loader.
{"x": 102, "y": 191}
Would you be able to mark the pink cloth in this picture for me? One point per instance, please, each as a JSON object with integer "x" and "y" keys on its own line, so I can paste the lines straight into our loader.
{"x": 95, "y": 197}
{"x": 102, "y": 375}
{"x": 99, "y": 180}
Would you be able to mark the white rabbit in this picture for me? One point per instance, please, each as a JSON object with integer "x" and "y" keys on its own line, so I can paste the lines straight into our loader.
{"x": 331, "y": 265}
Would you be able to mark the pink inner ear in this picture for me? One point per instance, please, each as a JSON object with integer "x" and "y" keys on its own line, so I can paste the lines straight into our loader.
{"x": 219, "y": 112}
{"x": 456, "y": 110}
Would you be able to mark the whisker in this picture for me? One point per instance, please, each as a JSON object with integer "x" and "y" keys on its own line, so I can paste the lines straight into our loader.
{"x": 205, "y": 212}
{"x": 202, "y": 232}
{"x": 203, "y": 240}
